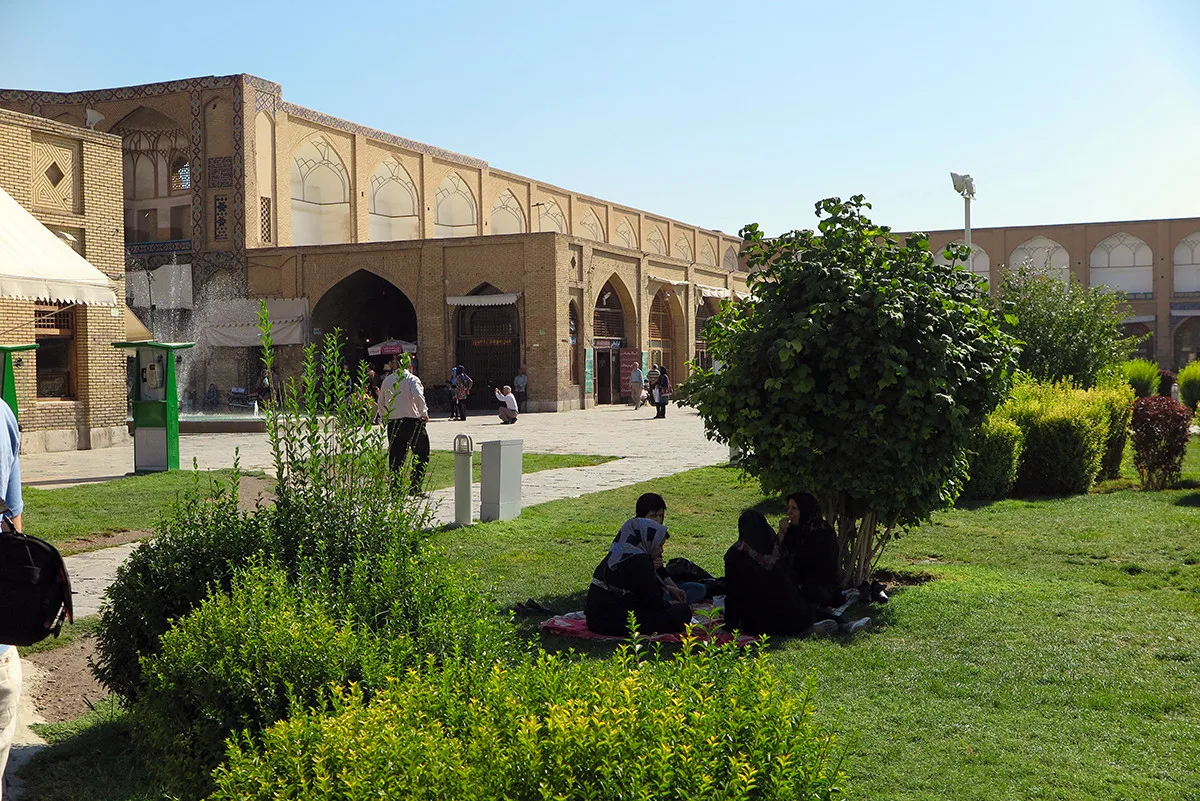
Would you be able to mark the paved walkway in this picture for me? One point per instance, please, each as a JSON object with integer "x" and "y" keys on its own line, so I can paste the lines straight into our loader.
{"x": 648, "y": 449}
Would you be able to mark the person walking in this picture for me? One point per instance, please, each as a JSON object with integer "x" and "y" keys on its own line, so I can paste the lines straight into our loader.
{"x": 636, "y": 382}
{"x": 662, "y": 392}
{"x": 10, "y": 661}
{"x": 462, "y": 390}
{"x": 519, "y": 386}
{"x": 402, "y": 404}
{"x": 508, "y": 411}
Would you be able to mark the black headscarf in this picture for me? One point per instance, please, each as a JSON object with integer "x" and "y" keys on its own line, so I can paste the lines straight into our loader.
{"x": 757, "y": 539}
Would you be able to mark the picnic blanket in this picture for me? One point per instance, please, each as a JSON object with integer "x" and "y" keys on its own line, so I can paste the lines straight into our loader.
{"x": 574, "y": 624}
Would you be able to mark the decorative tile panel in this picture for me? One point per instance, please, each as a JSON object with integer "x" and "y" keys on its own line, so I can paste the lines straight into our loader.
{"x": 221, "y": 217}
{"x": 220, "y": 172}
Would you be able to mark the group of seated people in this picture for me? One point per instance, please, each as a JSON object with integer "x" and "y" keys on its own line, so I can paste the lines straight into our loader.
{"x": 781, "y": 582}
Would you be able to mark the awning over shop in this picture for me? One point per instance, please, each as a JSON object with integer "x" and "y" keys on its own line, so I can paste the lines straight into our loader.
{"x": 667, "y": 281}
{"x": 36, "y": 265}
{"x": 1139, "y": 318}
{"x": 713, "y": 291}
{"x": 483, "y": 300}
{"x": 134, "y": 330}
{"x": 235, "y": 323}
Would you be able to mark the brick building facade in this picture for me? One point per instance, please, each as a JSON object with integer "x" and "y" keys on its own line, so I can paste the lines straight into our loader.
{"x": 238, "y": 193}
{"x": 71, "y": 391}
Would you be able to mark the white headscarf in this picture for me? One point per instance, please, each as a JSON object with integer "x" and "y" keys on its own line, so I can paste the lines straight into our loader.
{"x": 636, "y": 536}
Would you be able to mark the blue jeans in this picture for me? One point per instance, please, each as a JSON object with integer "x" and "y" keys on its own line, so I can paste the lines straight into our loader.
{"x": 694, "y": 589}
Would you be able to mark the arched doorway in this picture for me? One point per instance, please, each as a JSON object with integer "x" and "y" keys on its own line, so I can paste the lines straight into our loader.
{"x": 489, "y": 345}
{"x": 704, "y": 311}
{"x": 662, "y": 334}
{"x": 367, "y": 309}
{"x": 1187, "y": 342}
{"x": 608, "y": 333}
{"x": 573, "y": 342}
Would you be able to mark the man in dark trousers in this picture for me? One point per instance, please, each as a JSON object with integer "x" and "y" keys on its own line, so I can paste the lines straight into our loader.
{"x": 402, "y": 404}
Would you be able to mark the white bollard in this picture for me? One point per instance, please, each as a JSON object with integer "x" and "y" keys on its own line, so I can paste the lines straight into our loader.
{"x": 464, "y": 450}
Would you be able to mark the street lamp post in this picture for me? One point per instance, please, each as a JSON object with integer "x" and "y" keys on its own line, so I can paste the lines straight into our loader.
{"x": 965, "y": 186}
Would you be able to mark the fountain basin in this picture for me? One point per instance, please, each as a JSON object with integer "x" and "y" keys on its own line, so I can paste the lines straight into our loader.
{"x": 197, "y": 423}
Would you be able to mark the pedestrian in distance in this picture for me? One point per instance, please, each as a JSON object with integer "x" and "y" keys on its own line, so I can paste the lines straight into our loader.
{"x": 636, "y": 383}
{"x": 662, "y": 393}
{"x": 462, "y": 390}
{"x": 520, "y": 385}
{"x": 402, "y": 404}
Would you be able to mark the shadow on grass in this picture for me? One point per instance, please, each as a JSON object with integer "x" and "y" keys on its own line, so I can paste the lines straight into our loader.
{"x": 1191, "y": 499}
{"x": 98, "y": 762}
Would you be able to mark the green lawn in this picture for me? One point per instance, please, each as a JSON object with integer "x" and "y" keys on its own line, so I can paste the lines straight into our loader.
{"x": 138, "y": 503}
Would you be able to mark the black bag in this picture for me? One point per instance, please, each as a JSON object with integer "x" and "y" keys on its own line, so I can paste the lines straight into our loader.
{"x": 680, "y": 569}
{"x": 35, "y": 592}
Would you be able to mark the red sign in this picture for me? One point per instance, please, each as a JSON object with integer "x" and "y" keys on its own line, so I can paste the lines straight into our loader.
{"x": 630, "y": 358}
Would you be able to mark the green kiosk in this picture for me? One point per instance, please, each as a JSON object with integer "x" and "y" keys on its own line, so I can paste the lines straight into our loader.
{"x": 155, "y": 406}
{"x": 8, "y": 387}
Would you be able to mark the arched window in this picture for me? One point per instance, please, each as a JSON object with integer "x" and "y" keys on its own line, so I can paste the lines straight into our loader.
{"x": 1044, "y": 255}
{"x": 550, "y": 216}
{"x": 507, "y": 216}
{"x": 1125, "y": 264}
{"x": 981, "y": 263}
{"x": 590, "y": 226}
{"x": 320, "y": 194}
{"x": 181, "y": 175}
{"x": 454, "y": 208}
{"x": 655, "y": 243}
{"x": 683, "y": 248}
{"x": 626, "y": 235}
{"x": 573, "y": 341}
{"x": 393, "y": 210}
{"x": 1187, "y": 266}
{"x": 703, "y": 312}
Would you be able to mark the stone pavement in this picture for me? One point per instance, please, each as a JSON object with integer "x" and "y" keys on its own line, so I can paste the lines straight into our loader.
{"x": 647, "y": 448}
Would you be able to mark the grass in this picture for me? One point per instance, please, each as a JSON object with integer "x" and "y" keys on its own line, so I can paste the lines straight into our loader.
{"x": 137, "y": 503}
{"x": 1054, "y": 654}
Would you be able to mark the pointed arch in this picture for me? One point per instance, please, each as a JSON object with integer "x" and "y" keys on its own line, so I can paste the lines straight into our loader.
{"x": 981, "y": 262}
{"x": 707, "y": 308}
{"x": 367, "y": 308}
{"x": 1124, "y": 263}
{"x": 264, "y": 172}
{"x": 683, "y": 248}
{"x": 488, "y": 345}
{"x": 614, "y": 325}
{"x": 551, "y": 217}
{"x": 730, "y": 261}
{"x": 591, "y": 227}
{"x": 708, "y": 255}
{"x": 455, "y": 211}
{"x": 320, "y": 194}
{"x": 393, "y": 206}
{"x": 1044, "y": 255}
{"x": 626, "y": 234}
{"x": 667, "y": 343}
{"x": 1187, "y": 265}
{"x": 507, "y": 215}
{"x": 655, "y": 242}
{"x": 574, "y": 334}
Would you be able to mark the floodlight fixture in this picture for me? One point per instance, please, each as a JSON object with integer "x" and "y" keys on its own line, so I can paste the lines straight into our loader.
{"x": 963, "y": 184}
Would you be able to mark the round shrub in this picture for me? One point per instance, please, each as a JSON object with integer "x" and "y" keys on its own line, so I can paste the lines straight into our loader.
{"x": 1189, "y": 385}
{"x": 1143, "y": 376}
{"x": 1117, "y": 402}
{"x": 1160, "y": 437}
{"x": 994, "y": 454}
{"x": 711, "y": 723}
{"x": 1066, "y": 430}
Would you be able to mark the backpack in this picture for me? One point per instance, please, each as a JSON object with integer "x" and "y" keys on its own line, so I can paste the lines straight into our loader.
{"x": 35, "y": 591}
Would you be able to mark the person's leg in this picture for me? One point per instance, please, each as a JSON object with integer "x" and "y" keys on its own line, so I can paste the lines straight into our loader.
{"x": 396, "y": 447}
{"x": 420, "y": 447}
{"x": 405, "y": 434}
{"x": 10, "y": 697}
{"x": 695, "y": 590}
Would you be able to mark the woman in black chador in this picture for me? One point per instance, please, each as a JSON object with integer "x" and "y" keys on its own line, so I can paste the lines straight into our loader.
{"x": 810, "y": 548}
{"x": 761, "y": 597}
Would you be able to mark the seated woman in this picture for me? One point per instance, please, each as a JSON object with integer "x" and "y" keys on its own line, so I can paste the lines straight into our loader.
{"x": 212, "y": 399}
{"x": 761, "y": 597}
{"x": 627, "y": 580}
{"x": 810, "y": 548}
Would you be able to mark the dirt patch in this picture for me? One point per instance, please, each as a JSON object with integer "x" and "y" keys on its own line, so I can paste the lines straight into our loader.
{"x": 66, "y": 686}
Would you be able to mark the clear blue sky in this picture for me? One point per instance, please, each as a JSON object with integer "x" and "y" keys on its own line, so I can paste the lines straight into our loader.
{"x": 709, "y": 112}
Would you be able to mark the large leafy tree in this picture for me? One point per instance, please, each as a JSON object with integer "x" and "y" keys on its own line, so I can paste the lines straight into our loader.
{"x": 857, "y": 373}
{"x": 1068, "y": 332}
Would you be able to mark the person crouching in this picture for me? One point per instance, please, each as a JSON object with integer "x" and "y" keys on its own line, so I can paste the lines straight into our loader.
{"x": 508, "y": 409}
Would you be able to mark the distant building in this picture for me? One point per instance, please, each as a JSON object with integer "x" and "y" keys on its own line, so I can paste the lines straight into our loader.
{"x": 231, "y": 192}
{"x": 1153, "y": 264}
{"x": 71, "y": 390}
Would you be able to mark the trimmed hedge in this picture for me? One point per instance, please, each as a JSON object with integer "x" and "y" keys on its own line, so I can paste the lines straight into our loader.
{"x": 1160, "y": 436}
{"x": 994, "y": 455}
{"x": 1143, "y": 376}
{"x": 710, "y": 723}
{"x": 1189, "y": 385}
{"x": 1117, "y": 401}
{"x": 1066, "y": 431}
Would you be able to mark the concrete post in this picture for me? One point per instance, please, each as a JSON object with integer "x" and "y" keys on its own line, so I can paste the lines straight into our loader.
{"x": 463, "y": 454}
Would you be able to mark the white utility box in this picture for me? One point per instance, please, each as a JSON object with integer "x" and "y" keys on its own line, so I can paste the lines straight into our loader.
{"x": 500, "y": 484}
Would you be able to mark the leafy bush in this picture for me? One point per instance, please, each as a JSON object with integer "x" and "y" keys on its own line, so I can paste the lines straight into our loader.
{"x": 1166, "y": 380}
{"x": 994, "y": 454}
{"x": 1065, "y": 429}
{"x": 1160, "y": 437}
{"x": 1189, "y": 385}
{"x": 1117, "y": 401}
{"x": 1143, "y": 375}
{"x": 244, "y": 660}
{"x": 713, "y": 723}
{"x": 1068, "y": 332}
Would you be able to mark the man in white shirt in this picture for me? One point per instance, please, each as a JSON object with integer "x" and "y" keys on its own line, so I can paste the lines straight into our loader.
{"x": 402, "y": 404}
{"x": 508, "y": 412}
{"x": 635, "y": 386}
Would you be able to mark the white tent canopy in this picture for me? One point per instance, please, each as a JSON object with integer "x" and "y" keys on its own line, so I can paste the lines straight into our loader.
{"x": 503, "y": 299}
{"x": 234, "y": 323}
{"x": 36, "y": 265}
{"x": 713, "y": 291}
